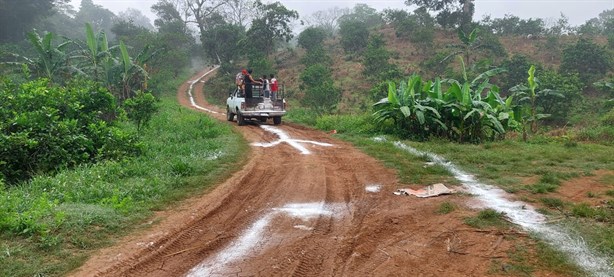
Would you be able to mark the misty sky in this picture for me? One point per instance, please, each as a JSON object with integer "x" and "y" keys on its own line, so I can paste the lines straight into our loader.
{"x": 578, "y": 11}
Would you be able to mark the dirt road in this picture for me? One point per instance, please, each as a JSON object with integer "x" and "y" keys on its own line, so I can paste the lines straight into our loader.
{"x": 327, "y": 211}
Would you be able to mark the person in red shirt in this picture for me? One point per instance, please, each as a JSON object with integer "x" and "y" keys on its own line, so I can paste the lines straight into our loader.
{"x": 274, "y": 87}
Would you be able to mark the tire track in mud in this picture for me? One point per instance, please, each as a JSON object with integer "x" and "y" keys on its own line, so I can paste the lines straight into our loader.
{"x": 356, "y": 233}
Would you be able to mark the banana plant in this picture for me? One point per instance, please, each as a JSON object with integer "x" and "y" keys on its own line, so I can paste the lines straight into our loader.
{"x": 51, "y": 61}
{"x": 112, "y": 65}
{"x": 96, "y": 57}
{"x": 408, "y": 107}
{"x": 526, "y": 108}
{"x": 131, "y": 75}
{"x": 470, "y": 42}
{"x": 468, "y": 110}
{"x": 468, "y": 116}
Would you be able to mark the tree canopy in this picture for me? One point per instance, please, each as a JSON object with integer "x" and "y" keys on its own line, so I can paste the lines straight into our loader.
{"x": 18, "y": 17}
{"x": 271, "y": 25}
{"x": 451, "y": 13}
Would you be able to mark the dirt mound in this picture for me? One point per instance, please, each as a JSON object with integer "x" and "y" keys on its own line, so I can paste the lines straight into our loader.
{"x": 330, "y": 212}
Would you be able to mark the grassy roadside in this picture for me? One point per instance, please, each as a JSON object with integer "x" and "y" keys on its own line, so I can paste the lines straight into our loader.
{"x": 60, "y": 219}
{"x": 533, "y": 172}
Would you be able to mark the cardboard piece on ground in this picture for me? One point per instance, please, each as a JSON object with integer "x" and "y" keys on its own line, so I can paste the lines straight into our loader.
{"x": 428, "y": 191}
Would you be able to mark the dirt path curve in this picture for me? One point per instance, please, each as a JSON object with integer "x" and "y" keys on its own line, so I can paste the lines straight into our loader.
{"x": 328, "y": 213}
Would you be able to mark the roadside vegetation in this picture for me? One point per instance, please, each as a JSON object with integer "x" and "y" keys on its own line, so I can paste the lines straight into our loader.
{"x": 535, "y": 124}
{"x": 90, "y": 138}
{"x": 92, "y": 141}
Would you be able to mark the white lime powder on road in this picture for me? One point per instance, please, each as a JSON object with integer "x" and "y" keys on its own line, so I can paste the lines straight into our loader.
{"x": 283, "y": 137}
{"x": 256, "y": 236}
{"x": 523, "y": 215}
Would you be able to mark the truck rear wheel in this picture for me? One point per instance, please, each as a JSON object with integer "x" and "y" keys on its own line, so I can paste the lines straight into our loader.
{"x": 240, "y": 119}
{"x": 229, "y": 115}
{"x": 277, "y": 120}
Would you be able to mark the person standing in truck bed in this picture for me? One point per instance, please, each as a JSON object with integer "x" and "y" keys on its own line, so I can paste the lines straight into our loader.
{"x": 249, "y": 83}
{"x": 274, "y": 87}
{"x": 239, "y": 80}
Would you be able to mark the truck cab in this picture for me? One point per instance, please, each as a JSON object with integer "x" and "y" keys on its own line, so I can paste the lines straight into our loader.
{"x": 257, "y": 107}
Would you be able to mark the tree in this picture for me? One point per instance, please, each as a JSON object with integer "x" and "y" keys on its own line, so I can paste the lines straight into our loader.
{"x": 354, "y": 35}
{"x": 99, "y": 17}
{"x": 451, "y": 13}
{"x": 513, "y": 25}
{"x": 516, "y": 71}
{"x": 272, "y": 25}
{"x": 17, "y": 17}
{"x": 136, "y": 36}
{"x": 320, "y": 93}
{"x": 558, "y": 27}
{"x": 363, "y": 13}
{"x": 141, "y": 108}
{"x": 201, "y": 12}
{"x": 167, "y": 13}
{"x": 375, "y": 59}
{"x": 223, "y": 42}
{"x": 135, "y": 17}
{"x": 563, "y": 92}
{"x": 328, "y": 20}
{"x": 587, "y": 59}
{"x": 316, "y": 55}
{"x": 173, "y": 36}
{"x": 61, "y": 22}
{"x": 418, "y": 27}
{"x": 239, "y": 12}
{"x": 311, "y": 37}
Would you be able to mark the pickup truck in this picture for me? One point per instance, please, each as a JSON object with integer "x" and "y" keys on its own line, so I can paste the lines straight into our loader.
{"x": 257, "y": 107}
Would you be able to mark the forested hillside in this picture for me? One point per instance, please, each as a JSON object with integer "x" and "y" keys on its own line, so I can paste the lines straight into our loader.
{"x": 345, "y": 59}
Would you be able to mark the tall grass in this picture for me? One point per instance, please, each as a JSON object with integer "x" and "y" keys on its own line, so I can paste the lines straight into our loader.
{"x": 49, "y": 225}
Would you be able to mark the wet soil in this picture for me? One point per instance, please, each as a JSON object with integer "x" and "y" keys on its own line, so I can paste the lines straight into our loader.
{"x": 244, "y": 226}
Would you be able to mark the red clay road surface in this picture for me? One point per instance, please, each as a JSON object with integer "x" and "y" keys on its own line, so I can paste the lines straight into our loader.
{"x": 328, "y": 213}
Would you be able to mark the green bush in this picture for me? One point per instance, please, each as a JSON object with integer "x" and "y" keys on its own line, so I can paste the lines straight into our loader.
{"x": 45, "y": 127}
{"x": 568, "y": 88}
{"x": 311, "y": 38}
{"x": 141, "y": 108}
{"x": 354, "y": 35}
{"x": 320, "y": 93}
{"x": 516, "y": 71}
{"x": 587, "y": 59}
{"x": 316, "y": 55}
{"x": 375, "y": 61}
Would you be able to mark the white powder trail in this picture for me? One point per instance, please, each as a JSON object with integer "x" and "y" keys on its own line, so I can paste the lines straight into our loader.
{"x": 373, "y": 188}
{"x": 256, "y": 236}
{"x": 247, "y": 241}
{"x": 192, "y": 87}
{"x": 283, "y": 137}
{"x": 524, "y": 215}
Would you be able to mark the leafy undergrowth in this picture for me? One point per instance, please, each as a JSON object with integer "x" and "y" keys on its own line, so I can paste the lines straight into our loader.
{"x": 50, "y": 225}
